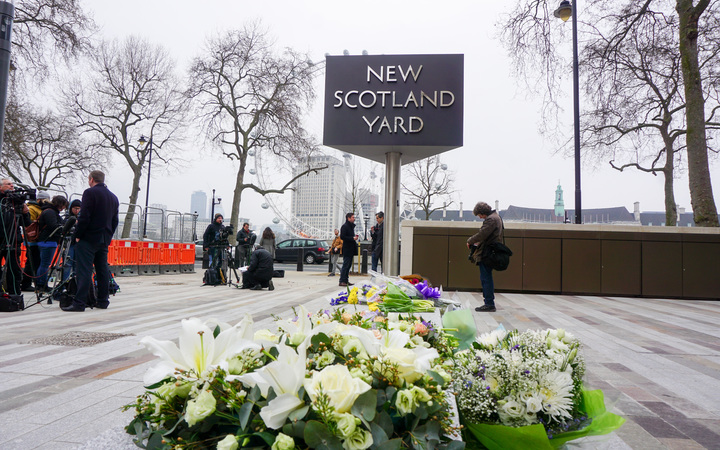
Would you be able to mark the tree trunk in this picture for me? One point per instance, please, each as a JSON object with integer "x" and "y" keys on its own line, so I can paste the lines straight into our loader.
{"x": 237, "y": 196}
{"x": 127, "y": 224}
{"x": 669, "y": 173}
{"x": 701, "y": 195}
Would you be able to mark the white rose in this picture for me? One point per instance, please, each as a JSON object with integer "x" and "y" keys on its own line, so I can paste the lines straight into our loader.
{"x": 229, "y": 443}
{"x": 405, "y": 402}
{"x": 533, "y": 403}
{"x": 338, "y": 384}
{"x": 513, "y": 409}
{"x": 361, "y": 440}
{"x": 283, "y": 442}
{"x": 346, "y": 424}
{"x": 200, "y": 408}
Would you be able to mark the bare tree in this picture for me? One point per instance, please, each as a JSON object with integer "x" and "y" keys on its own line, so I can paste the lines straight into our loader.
{"x": 44, "y": 149}
{"x": 425, "y": 182}
{"x": 45, "y": 28}
{"x": 621, "y": 41}
{"x": 636, "y": 115}
{"x": 248, "y": 97}
{"x": 132, "y": 91}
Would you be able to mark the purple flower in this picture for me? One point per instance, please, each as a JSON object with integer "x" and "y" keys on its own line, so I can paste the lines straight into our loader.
{"x": 427, "y": 291}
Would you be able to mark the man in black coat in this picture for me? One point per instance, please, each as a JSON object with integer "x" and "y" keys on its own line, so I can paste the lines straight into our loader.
{"x": 210, "y": 239}
{"x": 95, "y": 227}
{"x": 349, "y": 250}
{"x": 259, "y": 273}
{"x": 377, "y": 242}
{"x": 10, "y": 237}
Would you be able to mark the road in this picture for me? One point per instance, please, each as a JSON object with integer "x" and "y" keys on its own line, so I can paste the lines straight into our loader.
{"x": 284, "y": 266}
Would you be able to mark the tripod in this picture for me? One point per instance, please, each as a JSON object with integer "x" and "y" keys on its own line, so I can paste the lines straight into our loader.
{"x": 55, "y": 279}
{"x": 227, "y": 268}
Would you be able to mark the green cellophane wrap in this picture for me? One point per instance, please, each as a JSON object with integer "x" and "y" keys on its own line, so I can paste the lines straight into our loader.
{"x": 502, "y": 437}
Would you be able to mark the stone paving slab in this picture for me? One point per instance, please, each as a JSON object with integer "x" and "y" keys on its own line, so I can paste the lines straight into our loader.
{"x": 657, "y": 360}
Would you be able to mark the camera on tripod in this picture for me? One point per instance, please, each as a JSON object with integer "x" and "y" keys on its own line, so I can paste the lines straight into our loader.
{"x": 225, "y": 232}
{"x": 18, "y": 197}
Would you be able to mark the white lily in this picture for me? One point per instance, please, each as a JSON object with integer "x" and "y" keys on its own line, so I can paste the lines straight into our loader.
{"x": 285, "y": 375}
{"x": 412, "y": 362}
{"x": 197, "y": 350}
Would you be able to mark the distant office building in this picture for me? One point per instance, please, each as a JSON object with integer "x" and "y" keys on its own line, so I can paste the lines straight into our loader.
{"x": 156, "y": 212}
{"x": 318, "y": 198}
{"x": 198, "y": 204}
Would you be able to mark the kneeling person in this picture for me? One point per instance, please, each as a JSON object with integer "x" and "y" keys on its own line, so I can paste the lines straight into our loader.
{"x": 259, "y": 273}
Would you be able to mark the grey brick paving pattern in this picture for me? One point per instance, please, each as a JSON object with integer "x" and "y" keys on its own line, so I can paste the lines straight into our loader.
{"x": 658, "y": 361}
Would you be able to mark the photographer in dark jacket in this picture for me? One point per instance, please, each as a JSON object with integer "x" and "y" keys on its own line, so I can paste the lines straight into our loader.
{"x": 49, "y": 236}
{"x": 259, "y": 273}
{"x": 95, "y": 228}
{"x": 10, "y": 237}
{"x": 490, "y": 231}
{"x": 211, "y": 237}
{"x": 349, "y": 249}
{"x": 69, "y": 263}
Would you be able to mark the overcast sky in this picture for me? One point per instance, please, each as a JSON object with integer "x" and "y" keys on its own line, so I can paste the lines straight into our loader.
{"x": 504, "y": 157}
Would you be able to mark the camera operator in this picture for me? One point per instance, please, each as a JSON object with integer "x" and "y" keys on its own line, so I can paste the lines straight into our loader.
{"x": 49, "y": 222}
{"x": 14, "y": 213}
{"x": 212, "y": 238}
{"x": 32, "y": 251}
{"x": 245, "y": 241}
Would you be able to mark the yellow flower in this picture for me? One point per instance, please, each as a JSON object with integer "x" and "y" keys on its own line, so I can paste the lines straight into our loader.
{"x": 353, "y": 297}
{"x": 373, "y": 306}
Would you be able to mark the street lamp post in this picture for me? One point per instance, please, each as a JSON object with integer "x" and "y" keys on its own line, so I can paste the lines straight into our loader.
{"x": 564, "y": 12}
{"x": 367, "y": 219}
{"x": 212, "y": 209}
{"x": 148, "y": 148}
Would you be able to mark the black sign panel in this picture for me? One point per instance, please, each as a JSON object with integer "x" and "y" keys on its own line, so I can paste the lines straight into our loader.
{"x": 412, "y": 104}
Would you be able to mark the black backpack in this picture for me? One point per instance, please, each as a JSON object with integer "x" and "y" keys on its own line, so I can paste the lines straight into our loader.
{"x": 212, "y": 277}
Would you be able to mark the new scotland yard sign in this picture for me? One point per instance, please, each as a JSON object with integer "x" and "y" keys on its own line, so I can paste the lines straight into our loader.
{"x": 411, "y": 104}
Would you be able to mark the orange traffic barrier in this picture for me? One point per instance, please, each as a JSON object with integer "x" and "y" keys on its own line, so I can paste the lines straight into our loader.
{"x": 126, "y": 257}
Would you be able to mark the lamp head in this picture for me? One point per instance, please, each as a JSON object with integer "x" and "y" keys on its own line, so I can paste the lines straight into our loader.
{"x": 564, "y": 11}
{"x": 142, "y": 140}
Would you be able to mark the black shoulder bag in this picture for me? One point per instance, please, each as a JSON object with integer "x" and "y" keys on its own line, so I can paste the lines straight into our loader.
{"x": 497, "y": 255}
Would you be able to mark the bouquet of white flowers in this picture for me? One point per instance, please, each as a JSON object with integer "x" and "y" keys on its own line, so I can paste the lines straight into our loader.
{"x": 326, "y": 380}
{"x": 527, "y": 387}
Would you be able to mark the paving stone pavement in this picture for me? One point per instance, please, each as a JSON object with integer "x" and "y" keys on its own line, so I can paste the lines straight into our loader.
{"x": 657, "y": 360}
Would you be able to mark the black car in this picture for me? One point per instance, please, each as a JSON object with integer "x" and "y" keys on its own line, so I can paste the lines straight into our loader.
{"x": 313, "y": 250}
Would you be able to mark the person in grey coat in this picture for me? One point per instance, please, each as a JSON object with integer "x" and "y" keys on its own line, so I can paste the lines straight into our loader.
{"x": 267, "y": 241}
{"x": 490, "y": 231}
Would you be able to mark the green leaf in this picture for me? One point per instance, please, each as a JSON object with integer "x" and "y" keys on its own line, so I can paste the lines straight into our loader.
{"x": 269, "y": 438}
{"x": 254, "y": 394}
{"x": 429, "y": 431}
{"x": 299, "y": 414}
{"x": 392, "y": 444}
{"x": 390, "y": 391}
{"x": 365, "y": 405}
{"x": 421, "y": 412}
{"x": 381, "y": 397}
{"x": 244, "y": 414}
{"x": 317, "y": 435}
{"x": 453, "y": 445}
{"x": 436, "y": 377}
{"x": 160, "y": 383}
{"x": 378, "y": 434}
{"x": 216, "y": 331}
{"x": 319, "y": 338}
{"x": 156, "y": 442}
{"x": 385, "y": 421}
{"x": 295, "y": 429}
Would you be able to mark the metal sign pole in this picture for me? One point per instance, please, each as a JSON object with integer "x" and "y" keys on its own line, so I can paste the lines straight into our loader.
{"x": 7, "y": 14}
{"x": 391, "y": 233}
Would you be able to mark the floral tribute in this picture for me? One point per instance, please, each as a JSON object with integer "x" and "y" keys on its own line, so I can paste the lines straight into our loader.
{"x": 394, "y": 294}
{"x": 527, "y": 387}
{"x": 331, "y": 380}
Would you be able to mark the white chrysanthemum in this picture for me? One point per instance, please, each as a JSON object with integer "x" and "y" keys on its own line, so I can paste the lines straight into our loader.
{"x": 557, "y": 394}
{"x": 492, "y": 339}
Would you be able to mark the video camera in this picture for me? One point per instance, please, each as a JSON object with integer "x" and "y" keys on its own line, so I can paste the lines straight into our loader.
{"x": 18, "y": 197}
{"x": 225, "y": 232}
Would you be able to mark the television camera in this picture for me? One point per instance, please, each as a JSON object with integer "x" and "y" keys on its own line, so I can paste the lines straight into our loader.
{"x": 17, "y": 198}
